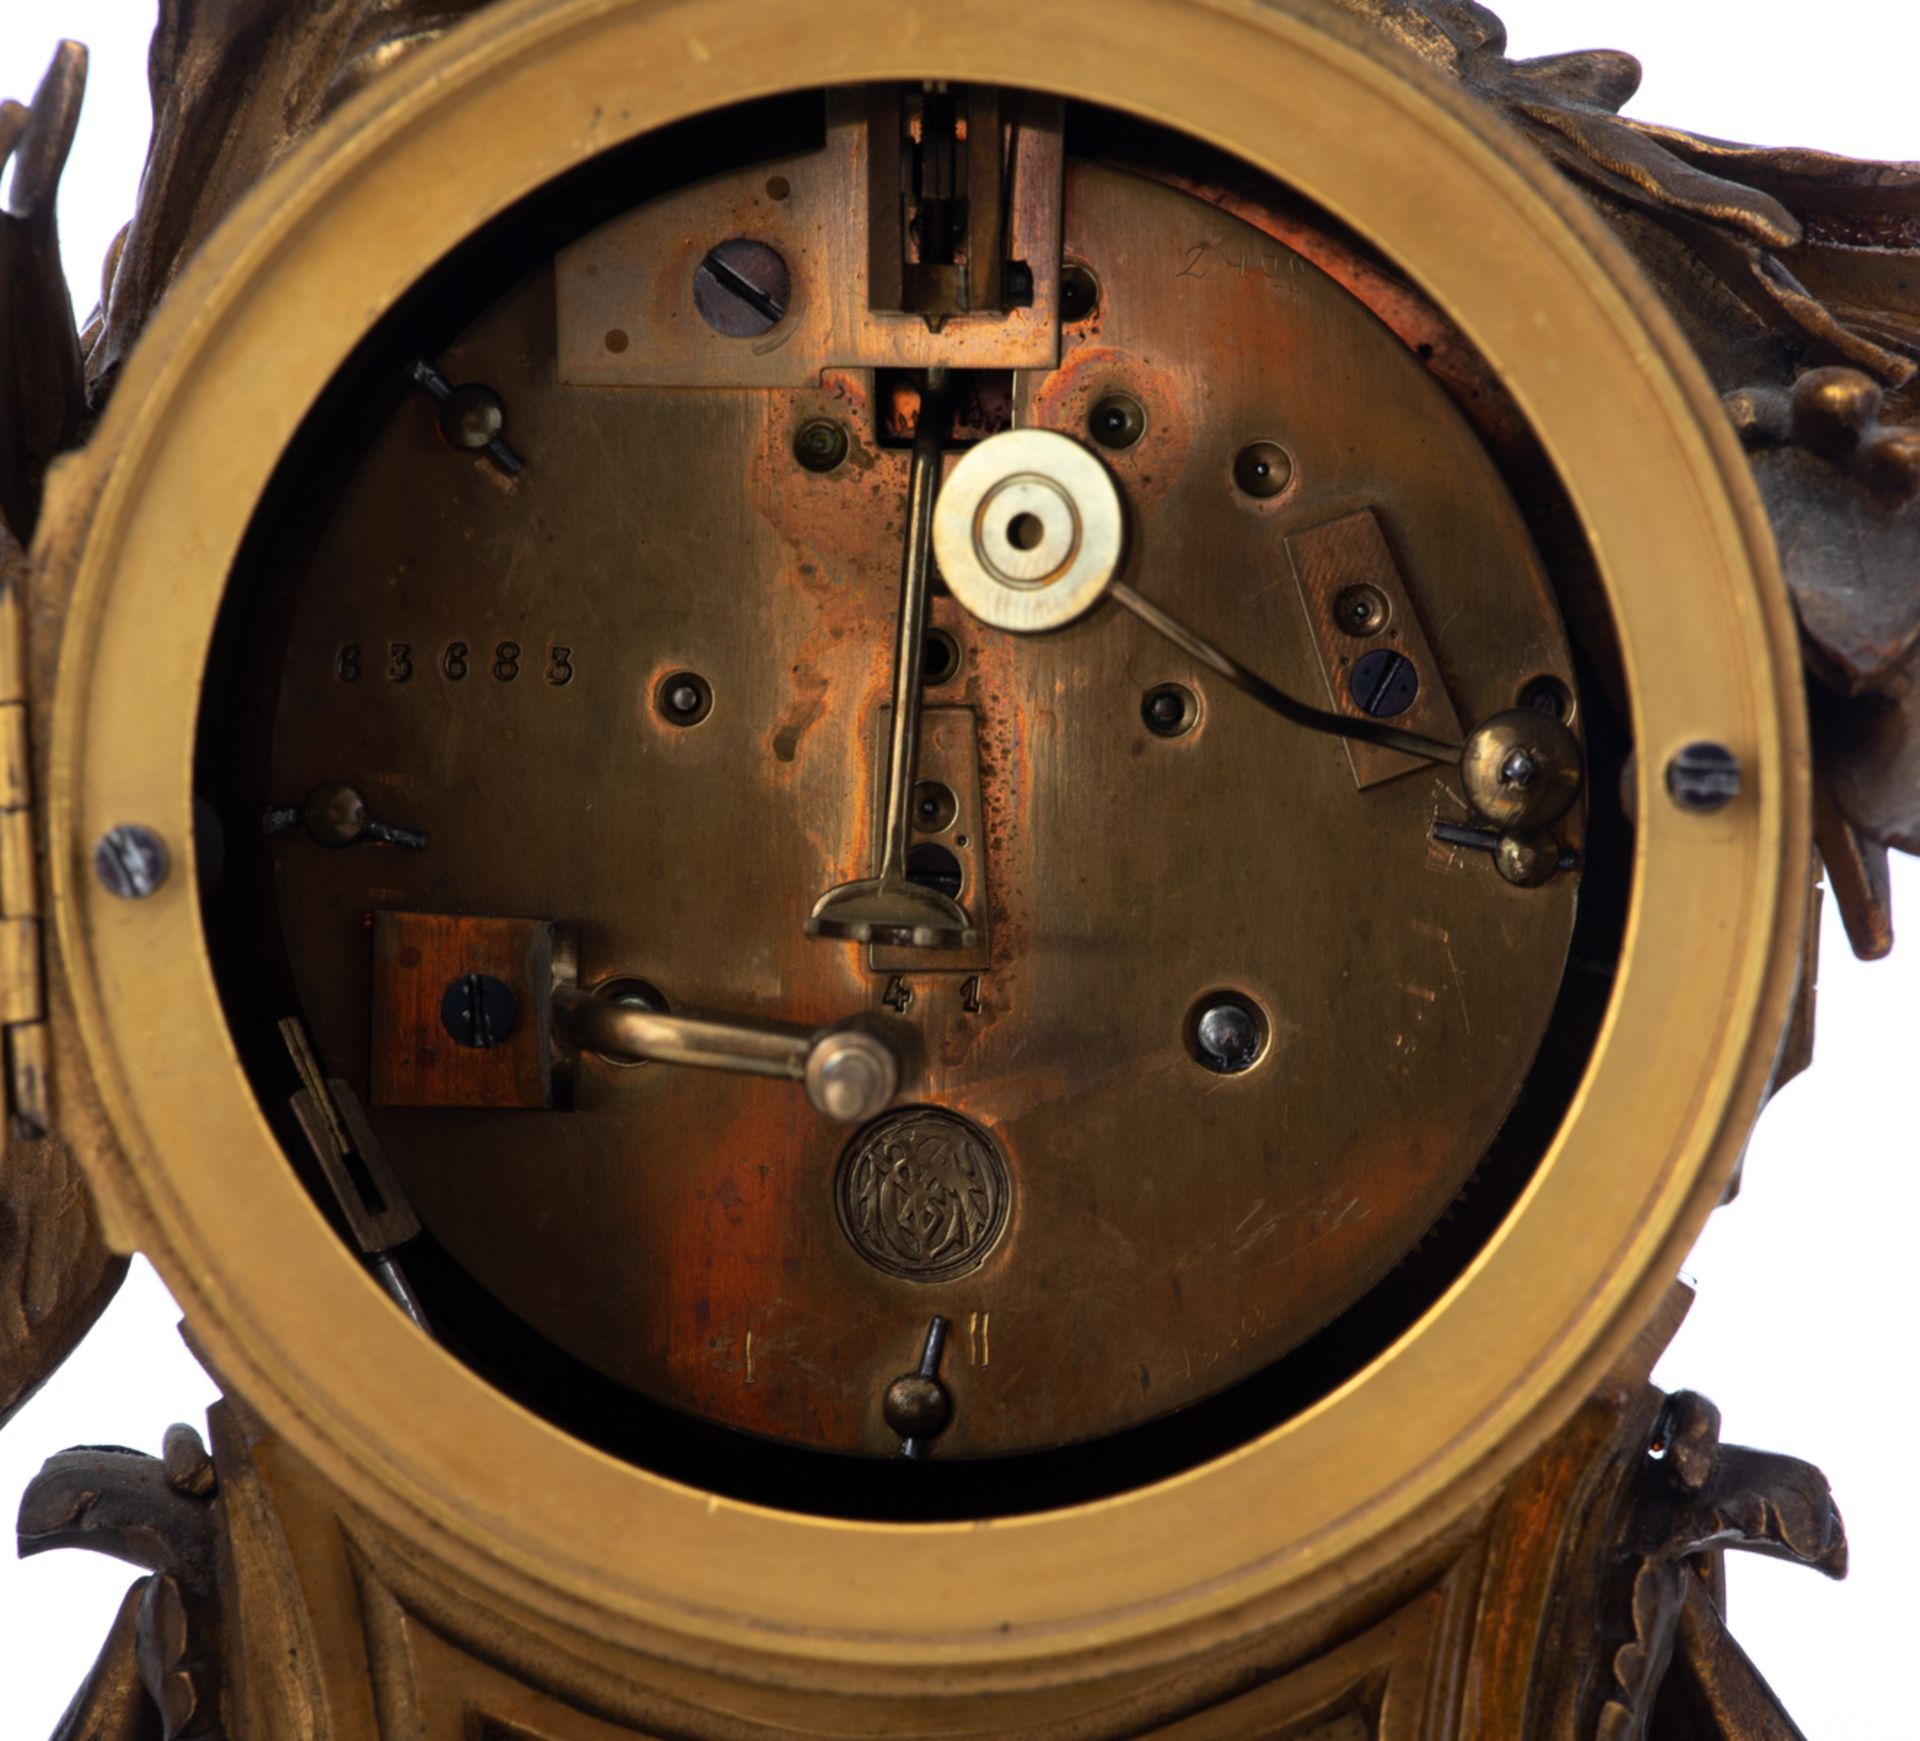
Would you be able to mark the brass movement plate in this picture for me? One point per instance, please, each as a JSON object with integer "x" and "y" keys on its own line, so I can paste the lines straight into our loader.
{"x": 1170, "y": 1230}
{"x": 283, "y": 293}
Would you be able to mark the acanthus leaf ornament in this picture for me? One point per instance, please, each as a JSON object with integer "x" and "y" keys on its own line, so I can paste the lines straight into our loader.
{"x": 1794, "y": 273}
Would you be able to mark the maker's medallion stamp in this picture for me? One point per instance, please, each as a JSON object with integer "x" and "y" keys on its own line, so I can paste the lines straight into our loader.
{"x": 922, "y": 1194}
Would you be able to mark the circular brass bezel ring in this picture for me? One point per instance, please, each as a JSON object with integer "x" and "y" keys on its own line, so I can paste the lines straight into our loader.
{"x": 277, "y": 300}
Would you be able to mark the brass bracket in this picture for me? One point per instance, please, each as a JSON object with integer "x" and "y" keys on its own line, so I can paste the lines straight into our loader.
{"x": 625, "y": 295}
{"x": 1346, "y": 566}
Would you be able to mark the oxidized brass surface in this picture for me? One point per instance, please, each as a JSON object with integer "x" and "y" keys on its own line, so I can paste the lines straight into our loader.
{"x": 623, "y": 310}
{"x": 1356, "y": 602}
{"x": 413, "y": 1058}
{"x": 455, "y": 1500}
{"x": 481, "y": 658}
{"x": 396, "y": 1548}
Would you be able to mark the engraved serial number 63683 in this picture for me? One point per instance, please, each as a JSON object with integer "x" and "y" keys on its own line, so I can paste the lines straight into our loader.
{"x": 457, "y": 661}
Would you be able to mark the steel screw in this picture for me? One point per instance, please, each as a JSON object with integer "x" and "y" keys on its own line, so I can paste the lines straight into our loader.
{"x": 1384, "y": 684}
{"x": 1704, "y": 778}
{"x": 1118, "y": 421}
{"x": 1362, "y": 610}
{"x": 1263, "y": 470}
{"x": 131, "y": 861}
{"x": 335, "y": 815}
{"x": 1170, "y": 711}
{"x": 479, "y": 1011}
{"x": 741, "y": 289}
{"x": 1229, "y": 1035}
{"x": 1519, "y": 769}
{"x": 1079, "y": 292}
{"x": 820, "y": 445}
{"x": 685, "y": 698}
{"x": 934, "y": 807}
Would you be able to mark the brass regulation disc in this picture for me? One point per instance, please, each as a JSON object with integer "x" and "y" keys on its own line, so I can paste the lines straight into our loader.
{"x": 1029, "y": 531}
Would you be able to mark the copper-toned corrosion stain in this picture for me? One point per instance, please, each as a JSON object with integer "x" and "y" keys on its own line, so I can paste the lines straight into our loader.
{"x": 1170, "y": 1230}
{"x": 416, "y": 1060}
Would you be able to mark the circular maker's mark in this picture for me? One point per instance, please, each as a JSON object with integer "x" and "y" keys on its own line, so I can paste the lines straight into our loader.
{"x": 922, "y": 1194}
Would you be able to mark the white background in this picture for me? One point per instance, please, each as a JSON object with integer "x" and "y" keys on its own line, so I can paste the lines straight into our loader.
{"x": 1802, "y": 1330}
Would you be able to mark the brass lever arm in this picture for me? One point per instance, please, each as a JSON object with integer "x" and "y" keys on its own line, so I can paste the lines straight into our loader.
{"x": 850, "y": 1071}
{"x": 1368, "y": 731}
{"x": 1521, "y": 769}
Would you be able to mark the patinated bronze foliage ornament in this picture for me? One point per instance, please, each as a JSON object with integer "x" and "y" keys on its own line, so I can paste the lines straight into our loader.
{"x": 1791, "y": 272}
{"x": 828, "y": 816}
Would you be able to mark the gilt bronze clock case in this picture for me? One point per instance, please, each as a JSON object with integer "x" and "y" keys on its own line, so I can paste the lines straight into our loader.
{"x": 747, "y": 1609}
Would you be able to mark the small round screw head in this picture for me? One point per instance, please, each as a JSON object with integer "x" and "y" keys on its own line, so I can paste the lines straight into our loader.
{"x": 1118, "y": 421}
{"x": 1703, "y": 778}
{"x": 131, "y": 861}
{"x": 820, "y": 444}
{"x": 1170, "y": 711}
{"x": 472, "y": 417}
{"x": 1228, "y": 1034}
{"x": 1079, "y": 292}
{"x": 742, "y": 288}
{"x": 683, "y": 698}
{"x": 1362, "y": 610}
{"x": 1384, "y": 683}
{"x": 1528, "y": 861}
{"x": 917, "y": 1407}
{"x": 935, "y": 808}
{"x": 1833, "y": 408}
{"x": 479, "y": 1011}
{"x": 1263, "y": 470}
{"x": 334, "y": 815}
{"x": 1522, "y": 770}
{"x": 1892, "y": 460}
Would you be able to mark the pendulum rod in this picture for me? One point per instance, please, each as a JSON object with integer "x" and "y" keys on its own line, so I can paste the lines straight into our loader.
{"x": 890, "y": 908}
{"x": 910, "y": 651}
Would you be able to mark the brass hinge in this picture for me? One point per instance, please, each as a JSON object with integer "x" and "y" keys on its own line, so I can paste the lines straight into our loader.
{"x": 23, "y": 972}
